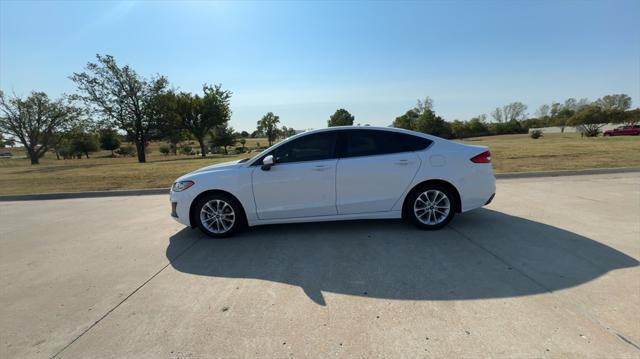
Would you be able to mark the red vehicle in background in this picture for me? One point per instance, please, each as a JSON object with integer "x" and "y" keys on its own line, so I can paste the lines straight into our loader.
{"x": 623, "y": 131}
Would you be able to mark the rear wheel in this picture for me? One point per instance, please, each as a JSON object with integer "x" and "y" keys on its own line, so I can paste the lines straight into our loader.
{"x": 431, "y": 207}
{"x": 218, "y": 215}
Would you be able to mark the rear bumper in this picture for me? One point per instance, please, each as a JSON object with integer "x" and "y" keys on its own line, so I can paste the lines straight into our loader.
{"x": 490, "y": 199}
{"x": 477, "y": 189}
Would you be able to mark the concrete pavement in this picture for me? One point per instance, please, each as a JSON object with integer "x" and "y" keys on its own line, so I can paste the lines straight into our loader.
{"x": 549, "y": 269}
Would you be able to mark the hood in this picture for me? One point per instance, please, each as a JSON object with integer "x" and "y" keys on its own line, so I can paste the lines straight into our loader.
{"x": 218, "y": 166}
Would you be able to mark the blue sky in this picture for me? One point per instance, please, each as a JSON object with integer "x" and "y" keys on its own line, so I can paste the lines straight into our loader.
{"x": 303, "y": 60}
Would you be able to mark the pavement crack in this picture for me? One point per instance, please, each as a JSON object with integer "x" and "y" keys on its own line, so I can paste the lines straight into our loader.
{"x": 627, "y": 341}
{"x": 125, "y": 299}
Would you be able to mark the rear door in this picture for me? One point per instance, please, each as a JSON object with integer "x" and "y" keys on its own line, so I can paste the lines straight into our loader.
{"x": 301, "y": 183}
{"x": 374, "y": 169}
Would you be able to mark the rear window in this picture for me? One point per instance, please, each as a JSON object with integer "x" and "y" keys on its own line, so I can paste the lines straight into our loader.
{"x": 376, "y": 142}
{"x": 415, "y": 143}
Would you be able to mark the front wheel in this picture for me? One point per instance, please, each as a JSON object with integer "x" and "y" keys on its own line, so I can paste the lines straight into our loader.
{"x": 430, "y": 207}
{"x": 218, "y": 215}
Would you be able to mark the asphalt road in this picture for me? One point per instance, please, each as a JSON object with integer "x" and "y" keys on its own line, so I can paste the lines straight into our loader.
{"x": 550, "y": 269}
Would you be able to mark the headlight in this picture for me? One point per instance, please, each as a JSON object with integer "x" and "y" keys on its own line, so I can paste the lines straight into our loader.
{"x": 181, "y": 186}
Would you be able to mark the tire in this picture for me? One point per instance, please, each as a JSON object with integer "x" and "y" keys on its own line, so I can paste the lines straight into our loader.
{"x": 431, "y": 206}
{"x": 219, "y": 215}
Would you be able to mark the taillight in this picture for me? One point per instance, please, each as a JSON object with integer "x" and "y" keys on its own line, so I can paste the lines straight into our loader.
{"x": 484, "y": 157}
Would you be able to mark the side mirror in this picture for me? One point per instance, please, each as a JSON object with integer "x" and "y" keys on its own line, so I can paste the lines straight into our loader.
{"x": 267, "y": 162}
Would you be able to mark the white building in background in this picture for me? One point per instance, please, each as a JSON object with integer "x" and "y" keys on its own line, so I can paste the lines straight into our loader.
{"x": 572, "y": 129}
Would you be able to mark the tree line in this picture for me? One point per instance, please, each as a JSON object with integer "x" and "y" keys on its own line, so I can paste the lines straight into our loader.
{"x": 114, "y": 103}
{"x": 588, "y": 117}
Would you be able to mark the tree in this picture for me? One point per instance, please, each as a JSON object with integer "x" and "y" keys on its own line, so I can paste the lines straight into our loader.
{"x": 429, "y": 123}
{"x": 34, "y": 120}
{"x": 341, "y": 117}
{"x": 475, "y": 127}
{"x": 562, "y": 117}
{"x": 406, "y": 121}
{"x": 268, "y": 125}
{"x": 122, "y": 97}
{"x": 199, "y": 115}
{"x": 589, "y": 120}
{"x": 244, "y": 134}
{"x": 109, "y": 140}
{"x": 243, "y": 141}
{"x": 543, "y": 111}
{"x": 82, "y": 143}
{"x": 478, "y": 125}
{"x": 425, "y": 105}
{"x": 515, "y": 111}
{"x": 223, "y": 136}
{"x": 170, "y": 127}
{"x": 620, "y": 102}
{"x": 409, "y": 120}
{"x": 422, "y": 118}
{"x": 631, "y": 118}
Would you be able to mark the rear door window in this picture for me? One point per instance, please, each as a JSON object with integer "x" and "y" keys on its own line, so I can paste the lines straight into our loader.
{"x": 375, "y": 142}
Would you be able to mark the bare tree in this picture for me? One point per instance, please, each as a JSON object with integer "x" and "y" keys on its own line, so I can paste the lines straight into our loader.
{"x": 35, "y": 120}
{"x": 543, "y": 111}
{"x": 514, "y": 111}
{"x": 122, "y": 97}
{"x": 424, "y": 105}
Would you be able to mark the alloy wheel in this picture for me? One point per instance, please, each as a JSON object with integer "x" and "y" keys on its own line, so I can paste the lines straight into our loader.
{"x": 432, "y": 207}
{"x": 217, "y": 216}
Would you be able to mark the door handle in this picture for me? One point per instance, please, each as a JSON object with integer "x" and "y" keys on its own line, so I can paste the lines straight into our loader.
{"x": 402, "y": 162}
{"x": 320, "y": 168}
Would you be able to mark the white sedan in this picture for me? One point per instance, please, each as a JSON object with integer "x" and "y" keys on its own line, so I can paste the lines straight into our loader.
{"x": 338, "y": 173}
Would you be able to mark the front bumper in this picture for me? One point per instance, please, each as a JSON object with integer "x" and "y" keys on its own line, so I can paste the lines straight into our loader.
{"x": 174, "y": 205}
{"x": 180, "y": 206}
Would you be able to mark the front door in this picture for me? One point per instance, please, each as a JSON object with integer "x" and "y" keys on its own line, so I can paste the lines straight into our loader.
{"x": 301, "y": 183}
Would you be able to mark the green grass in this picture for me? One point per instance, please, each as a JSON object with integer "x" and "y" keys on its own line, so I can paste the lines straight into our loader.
{"x": 511, "y": 153}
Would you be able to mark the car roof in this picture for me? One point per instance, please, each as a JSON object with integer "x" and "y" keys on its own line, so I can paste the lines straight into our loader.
{"x": 389, "y": 129}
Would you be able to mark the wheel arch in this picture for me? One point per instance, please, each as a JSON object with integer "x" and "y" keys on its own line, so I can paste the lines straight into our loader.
{"x": 441, "y": 182}
{"x": 192, "y": 221}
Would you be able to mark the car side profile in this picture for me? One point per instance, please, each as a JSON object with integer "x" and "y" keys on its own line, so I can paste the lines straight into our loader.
{"x": 338, "y": 173}
{"x": 631, "y": 130}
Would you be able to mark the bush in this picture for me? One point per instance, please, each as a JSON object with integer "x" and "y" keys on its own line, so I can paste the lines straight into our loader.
{"x": 535, "y": 134}
{"x": 165, "y": 150}
{"x": 186, "y": 150}
{"x": 109, "y": 140}
{"x": 126, "y": 151}
{"x": 589, "y": 131}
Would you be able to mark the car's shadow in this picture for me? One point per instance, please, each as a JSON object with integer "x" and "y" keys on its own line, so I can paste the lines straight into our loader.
{"x": 482, "y": 254}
